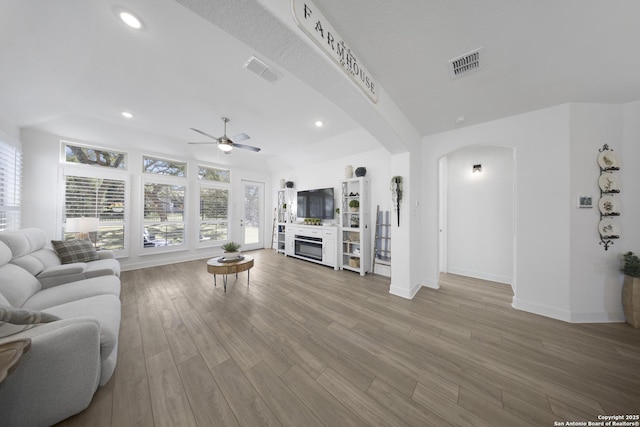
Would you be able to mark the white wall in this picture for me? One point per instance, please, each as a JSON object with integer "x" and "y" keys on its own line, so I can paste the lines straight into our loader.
{"x": 595, "y": 277}
{"x": 540, "y": 140}
{"x": 560, "y": 269}
{"x": 9, "y": 133}
{"x": 43, "y": 198}
{"x": 479, "y": 222}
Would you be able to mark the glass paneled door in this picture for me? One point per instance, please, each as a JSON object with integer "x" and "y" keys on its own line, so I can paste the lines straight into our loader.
{"x": 252, "y": 222}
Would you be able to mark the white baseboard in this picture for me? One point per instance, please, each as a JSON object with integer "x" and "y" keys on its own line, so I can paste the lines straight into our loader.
{"x": 598, "y": 317}
{"x": 482, "y": 275}
{"x": 163, "y": 261}
{"x": 542, "y": 310}
{"x": 568, "y": 316}
{"x": 404, "y": 292}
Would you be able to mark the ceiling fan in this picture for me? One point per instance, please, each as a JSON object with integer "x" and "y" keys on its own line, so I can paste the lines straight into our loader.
{"x": 225, "y": 143}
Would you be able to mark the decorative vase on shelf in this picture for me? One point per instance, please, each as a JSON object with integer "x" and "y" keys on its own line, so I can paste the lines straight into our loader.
{"x": 282, "y": 181}
{"x": 361, "y": 171}
{"x": 348, "y": 172}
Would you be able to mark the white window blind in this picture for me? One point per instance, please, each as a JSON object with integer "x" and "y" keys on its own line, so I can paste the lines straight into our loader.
{"x": 164, "y": 223}
{"x": 100, "y": 198}
{"x": 214, "y": 214}
{"x": 10, "y": 186}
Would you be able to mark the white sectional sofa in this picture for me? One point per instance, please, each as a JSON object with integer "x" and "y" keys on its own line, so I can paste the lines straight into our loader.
{"x": 71, "y": 354}
{"x": 31, "y": 250}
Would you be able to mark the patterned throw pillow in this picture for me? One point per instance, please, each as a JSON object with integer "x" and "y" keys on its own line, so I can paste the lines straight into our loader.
{"x": 14, "y": 320}
{"x": 75, "y": 250}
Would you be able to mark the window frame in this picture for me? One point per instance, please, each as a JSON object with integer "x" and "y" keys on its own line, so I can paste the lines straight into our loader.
{"x": 201, "y": 179}
{"x": 63, "y": 156}
{"x": 166, "y": 159}
{"x": 170, "y": 180}
{"x": 11, "y": 167}
{"x": 97, "y": 172}
{"x": 216, "y": 186}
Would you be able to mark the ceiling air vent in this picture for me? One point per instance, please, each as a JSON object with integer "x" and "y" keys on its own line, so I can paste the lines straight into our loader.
{"x": 263, "y": 70}
{"x": 465, "y": 64}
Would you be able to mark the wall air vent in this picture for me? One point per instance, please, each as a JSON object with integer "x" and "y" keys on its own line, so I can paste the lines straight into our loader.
{"x": 465, "y": 64}
{"x": 268, "y": 73}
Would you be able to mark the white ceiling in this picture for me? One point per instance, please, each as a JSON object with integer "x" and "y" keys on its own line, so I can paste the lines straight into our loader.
{"x": 70, "y": 66}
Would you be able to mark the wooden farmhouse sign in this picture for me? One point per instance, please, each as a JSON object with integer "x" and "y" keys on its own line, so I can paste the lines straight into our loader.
{"x": 316, "y": 26}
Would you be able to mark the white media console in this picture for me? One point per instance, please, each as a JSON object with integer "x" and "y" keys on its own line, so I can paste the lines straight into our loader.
{"x": 316, "y": 243}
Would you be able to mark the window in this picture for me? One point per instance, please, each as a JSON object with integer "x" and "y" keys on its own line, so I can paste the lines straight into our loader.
{"x": 214, "y": 214}
{"x": 100, "y": 198}
{"x": 164, "y": 222}
{"x": 10, "y": 182}
{"x": 94, "y": 156}
{"x": 206, "y": 173}
{"x": 163, "y": 167}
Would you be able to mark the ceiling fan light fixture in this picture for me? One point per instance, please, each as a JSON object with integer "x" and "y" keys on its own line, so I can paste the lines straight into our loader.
{"x": 225, "y": 146}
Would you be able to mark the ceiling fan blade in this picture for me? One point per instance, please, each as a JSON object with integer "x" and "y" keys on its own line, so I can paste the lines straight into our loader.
{"x": 203, "y": 142}
{"x": 204, "y": 133}
{"x": 246, "y": 147}
{"x": 240, "y": 137}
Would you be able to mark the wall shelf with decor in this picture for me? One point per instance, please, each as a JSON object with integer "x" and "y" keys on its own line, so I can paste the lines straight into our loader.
{"x": 355, "y": 236}
{"x": 608, "y": 204}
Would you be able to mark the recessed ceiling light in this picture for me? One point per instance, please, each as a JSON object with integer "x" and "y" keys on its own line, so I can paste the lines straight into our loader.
{"x": 127, "y": 115}
{"x": 460, "y": 120}
{"x": 319, "y": 123}
{"x": 130, "y": 19}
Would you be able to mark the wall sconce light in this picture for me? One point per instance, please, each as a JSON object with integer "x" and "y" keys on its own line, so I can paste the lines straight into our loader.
{"x": 476, "y": 169}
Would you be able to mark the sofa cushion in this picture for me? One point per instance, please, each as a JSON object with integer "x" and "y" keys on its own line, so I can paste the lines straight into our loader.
{"x": 17, "y": 285}
{"x": 29, "y": 263}
{"x": 62, "y": 294}
{"x": 77, "y": 250}
{"x": 16, "y": 241}
{"x": 104, "y": 308}
{"x": 47, "y": 256}
{"x": 37, "y": 238}
{"x": 5, "y": 254}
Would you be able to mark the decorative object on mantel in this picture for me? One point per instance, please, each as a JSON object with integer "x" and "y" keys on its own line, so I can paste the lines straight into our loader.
{"x": 313, "y": 221}
{"x": 348, "y": 172}
{"x": 361, "y": 171}
{"x": 396, "y": 194}
{"x": 631, "y": 289}
{"x": 608, "y": 204}
{"x": 282, "y": 181}
{"x": 289, "y": 184}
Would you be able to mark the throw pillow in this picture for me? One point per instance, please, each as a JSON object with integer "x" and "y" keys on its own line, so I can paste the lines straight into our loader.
{"x": 70, "y": 251}
{"x": 14, "y": 320}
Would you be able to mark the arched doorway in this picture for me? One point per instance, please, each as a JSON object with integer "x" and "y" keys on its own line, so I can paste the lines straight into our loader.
{"x": 477, "y": 214}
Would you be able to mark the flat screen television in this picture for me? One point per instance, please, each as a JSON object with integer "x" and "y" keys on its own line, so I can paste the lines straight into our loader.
{"x": 315, "y": 203}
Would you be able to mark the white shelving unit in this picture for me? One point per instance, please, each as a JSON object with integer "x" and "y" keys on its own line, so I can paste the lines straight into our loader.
{"x": 285, "y": 216}
{"x": 355, "y": 238}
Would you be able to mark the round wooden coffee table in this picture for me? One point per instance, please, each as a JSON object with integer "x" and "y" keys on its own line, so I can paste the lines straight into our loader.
{"x": 219, "y": 265}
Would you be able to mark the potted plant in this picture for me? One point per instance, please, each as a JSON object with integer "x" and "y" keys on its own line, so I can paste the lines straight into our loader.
{"x": 631, "y": 289}
{"x": 231, "y": 250}
{"x": 354, "y": 205}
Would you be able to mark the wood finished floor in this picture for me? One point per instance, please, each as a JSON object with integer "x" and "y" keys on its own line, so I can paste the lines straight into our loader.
{"x": 305, "y": 345}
